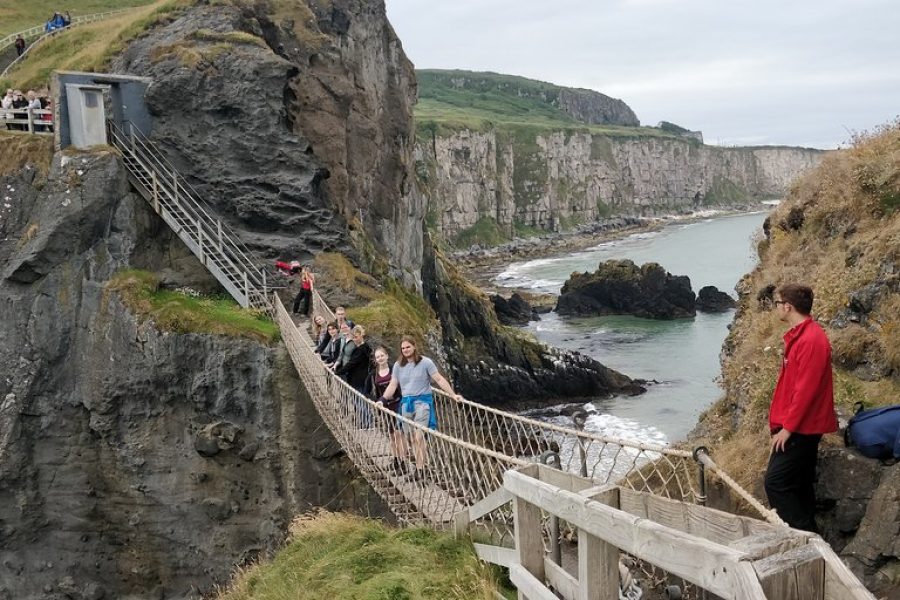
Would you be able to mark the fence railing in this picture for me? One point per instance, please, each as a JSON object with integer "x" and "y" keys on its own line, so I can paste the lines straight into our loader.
{"x": 615, "y": 528}
{"x": 41, "y": 35}
{"x": 32, "y": 120}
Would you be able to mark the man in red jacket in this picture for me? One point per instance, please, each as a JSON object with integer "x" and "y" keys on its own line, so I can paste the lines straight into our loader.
{"x": 802, "y": 409}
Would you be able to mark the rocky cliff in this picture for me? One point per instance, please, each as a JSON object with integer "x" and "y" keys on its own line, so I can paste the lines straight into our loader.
{"x": 515, "y": 180}
{"x": 134, "y": 462}
{"x": 837, "y": 232}
{"x": 295, "y": 121}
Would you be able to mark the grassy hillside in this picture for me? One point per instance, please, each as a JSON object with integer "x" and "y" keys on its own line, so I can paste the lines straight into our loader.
{"x": 839, "y": 232}
{"x": 16, "y": 16}
{"x": 87, "y": 47}
{"x": 340, "y": 556}
{"x": 491, "y": 100}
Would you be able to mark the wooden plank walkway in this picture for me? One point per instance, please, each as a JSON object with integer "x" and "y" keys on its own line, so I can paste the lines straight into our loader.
{"x": 437, "y": 504}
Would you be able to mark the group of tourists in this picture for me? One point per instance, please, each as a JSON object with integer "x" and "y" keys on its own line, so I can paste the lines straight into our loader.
{"x": 403, "y": 388}
{"x": 58, "y": 21}
{"x": 16, "y": 106}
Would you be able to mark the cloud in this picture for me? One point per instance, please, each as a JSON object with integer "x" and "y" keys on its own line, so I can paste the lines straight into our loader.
{"x": 735, "y": 70}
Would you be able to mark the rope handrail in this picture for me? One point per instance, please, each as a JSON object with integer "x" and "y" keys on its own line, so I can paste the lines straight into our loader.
{"x": 590, "y": 454}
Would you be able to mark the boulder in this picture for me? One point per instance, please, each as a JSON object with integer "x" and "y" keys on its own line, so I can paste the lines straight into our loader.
{"x": 515, "y": 311}
{"x": 711, "y": 300}
{"x": 619, "y": 287}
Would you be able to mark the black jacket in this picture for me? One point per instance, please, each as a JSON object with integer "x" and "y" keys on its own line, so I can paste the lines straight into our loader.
{"x": 356, "y": 369}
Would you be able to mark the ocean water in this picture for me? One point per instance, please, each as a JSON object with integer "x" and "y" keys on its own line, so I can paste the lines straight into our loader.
{"x": 681, "y": 356}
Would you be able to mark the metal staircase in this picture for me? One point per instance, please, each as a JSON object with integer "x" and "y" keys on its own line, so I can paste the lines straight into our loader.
{"x": 216, "y": 246}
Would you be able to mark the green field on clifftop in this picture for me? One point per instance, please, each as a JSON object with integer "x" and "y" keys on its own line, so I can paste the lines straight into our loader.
{"x": 492, "y": 100}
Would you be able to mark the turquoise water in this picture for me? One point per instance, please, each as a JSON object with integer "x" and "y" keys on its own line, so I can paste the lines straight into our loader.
{"x": 683, "y": 355}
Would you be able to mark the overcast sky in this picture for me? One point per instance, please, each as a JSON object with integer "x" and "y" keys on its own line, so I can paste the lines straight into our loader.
{"x": 798, "y": 72}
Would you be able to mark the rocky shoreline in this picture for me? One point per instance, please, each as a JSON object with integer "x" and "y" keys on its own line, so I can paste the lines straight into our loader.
{"x": 482, "y": 264}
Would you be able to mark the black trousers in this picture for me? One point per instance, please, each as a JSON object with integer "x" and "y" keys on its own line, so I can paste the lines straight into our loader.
{"x": 304, "y": 297}
{"x": 790, "y": 481}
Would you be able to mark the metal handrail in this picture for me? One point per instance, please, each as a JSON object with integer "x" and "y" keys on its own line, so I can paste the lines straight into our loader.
{"x": 175, "y": 199}
{"x": 201, "y": 211}
{"x": 190, "y": 190}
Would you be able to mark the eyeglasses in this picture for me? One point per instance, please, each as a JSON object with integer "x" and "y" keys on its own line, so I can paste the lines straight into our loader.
{"x": 777, "y": 302}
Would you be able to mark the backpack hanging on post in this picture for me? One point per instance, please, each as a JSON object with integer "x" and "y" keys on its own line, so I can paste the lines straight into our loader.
{"x": 875, "y": 432}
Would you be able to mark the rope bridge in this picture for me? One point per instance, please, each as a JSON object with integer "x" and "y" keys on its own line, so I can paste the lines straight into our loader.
{"x": 484, "y": 470}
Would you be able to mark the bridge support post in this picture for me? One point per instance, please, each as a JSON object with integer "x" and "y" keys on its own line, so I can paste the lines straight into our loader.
{"x": 529, "y": 539}
{"x": 598, "y": 561}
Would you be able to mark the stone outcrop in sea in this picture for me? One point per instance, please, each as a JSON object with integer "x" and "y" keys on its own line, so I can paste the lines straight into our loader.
{"x": 710, "y": 299}
{"x": 620, "y": 287}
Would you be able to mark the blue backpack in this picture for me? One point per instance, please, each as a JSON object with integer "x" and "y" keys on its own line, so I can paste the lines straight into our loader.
{"x": 876, "y": 432}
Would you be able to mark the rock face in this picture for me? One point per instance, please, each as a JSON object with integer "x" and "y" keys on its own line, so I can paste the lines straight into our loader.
{"x": 515, "y": 311}
{"x": 135, "y": 463}
{"x": 487, "y": 361}
{"x": 859, "y": 513}
{"x": 710, "y": 299}
{"x": 560, "y": 180}
{"x": 298, "y": 130}
{"x": 619, "y": 287}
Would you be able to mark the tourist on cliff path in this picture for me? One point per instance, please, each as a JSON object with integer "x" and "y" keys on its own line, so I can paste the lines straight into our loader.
{"x": 20, "y": 45}
{"x": 802, "y": 409}
{"x": 414, "y": 374}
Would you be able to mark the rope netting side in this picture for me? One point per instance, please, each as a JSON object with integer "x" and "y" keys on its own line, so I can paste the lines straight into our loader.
{"x": 425, "y": 476}
{"x": 664, "y": 471}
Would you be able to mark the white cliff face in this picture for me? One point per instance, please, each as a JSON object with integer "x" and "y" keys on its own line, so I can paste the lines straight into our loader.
{"x": 554, "y": 181}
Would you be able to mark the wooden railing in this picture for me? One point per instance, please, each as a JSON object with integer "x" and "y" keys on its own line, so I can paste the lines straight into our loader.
{"x": 727, "y": 555}
{"x": 31, "y": 120}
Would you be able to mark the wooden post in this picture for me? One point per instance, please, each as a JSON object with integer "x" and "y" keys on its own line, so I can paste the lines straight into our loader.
{"x": 30, "y": 121}
{"x": 529, "y": 541}
{"x": 598, "y": 561}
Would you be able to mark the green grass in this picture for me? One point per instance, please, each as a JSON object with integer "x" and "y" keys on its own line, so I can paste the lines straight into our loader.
{"x": 485, "y": 232}
{"x": 339, "y": 556}
{"x": 88, "y": 47}
{"x": 494, "y": 101}
{"x": 16, "y": 16}
{"x": 181, "y": 313}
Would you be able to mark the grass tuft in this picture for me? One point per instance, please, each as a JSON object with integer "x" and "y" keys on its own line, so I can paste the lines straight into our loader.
{"x": 182, "y": 313}
{"x": 342, "y": 556}
{"x": 20, "y": 149}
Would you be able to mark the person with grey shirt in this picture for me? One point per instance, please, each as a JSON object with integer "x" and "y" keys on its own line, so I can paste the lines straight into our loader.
{"x": 347, "y": 346}
{"x": 414, "y": 374}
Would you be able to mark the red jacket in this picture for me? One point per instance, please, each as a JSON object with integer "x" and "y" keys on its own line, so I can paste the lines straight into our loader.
{"x": 804, "y": 396}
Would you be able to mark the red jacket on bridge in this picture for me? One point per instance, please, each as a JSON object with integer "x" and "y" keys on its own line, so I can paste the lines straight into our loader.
{"x": 804, "y": 396}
